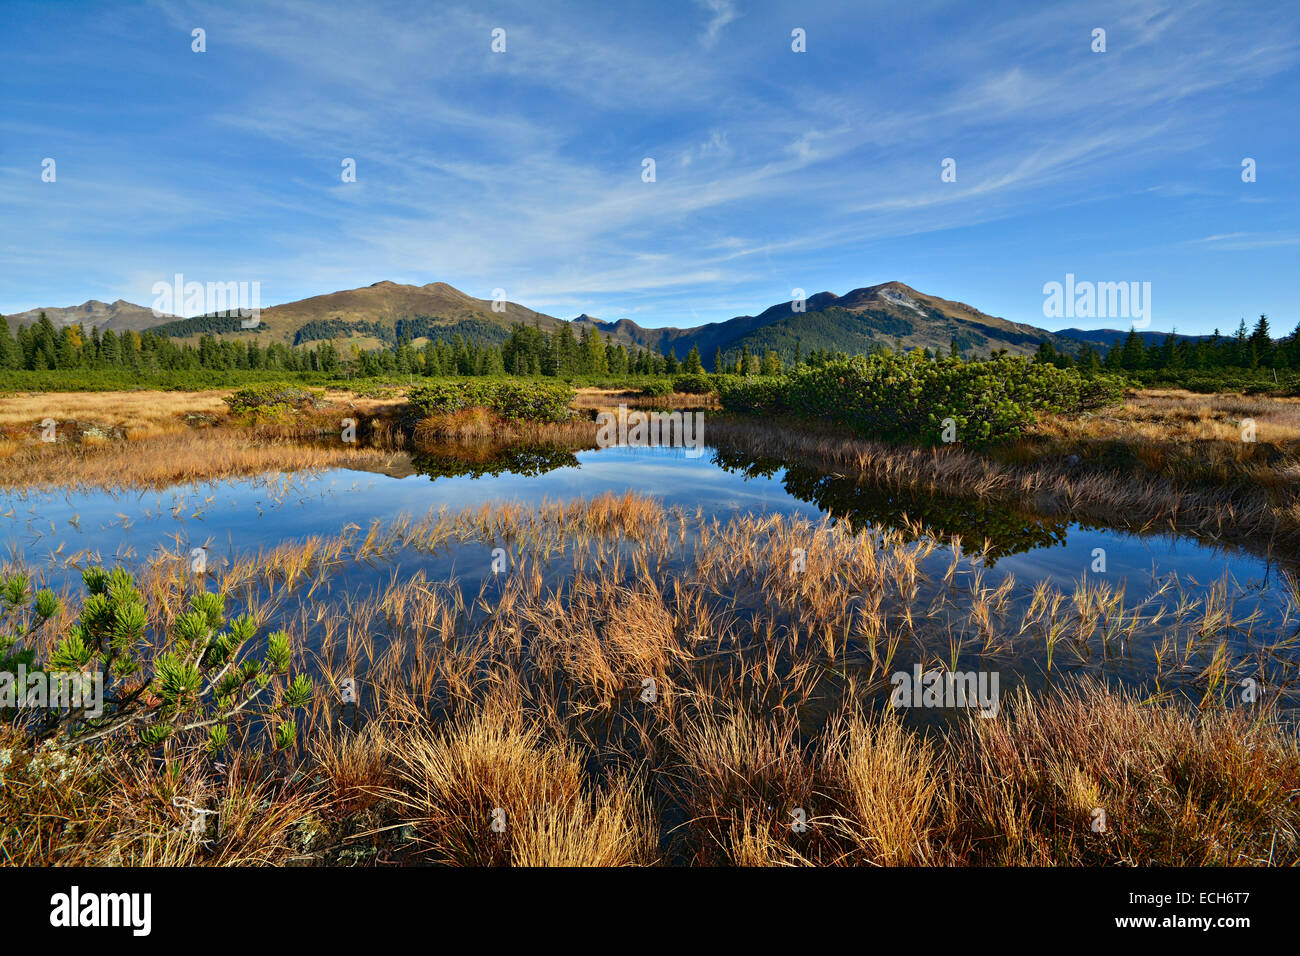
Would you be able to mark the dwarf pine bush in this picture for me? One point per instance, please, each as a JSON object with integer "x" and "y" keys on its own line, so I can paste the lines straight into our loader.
{"x": 270, "y": 400}
{"x": 19, "y": 622}
{"x": 913, "y": 398}
{"x": 515, "y": 400}
{"x": 201, "y": 673}
{"x": 695, "y": 383}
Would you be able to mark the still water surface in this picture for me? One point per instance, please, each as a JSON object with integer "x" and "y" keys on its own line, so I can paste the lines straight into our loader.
{"x": 238, "y": 518}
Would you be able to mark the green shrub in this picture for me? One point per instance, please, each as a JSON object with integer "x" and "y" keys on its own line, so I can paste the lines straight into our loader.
{"x": 912, "y": 398}
{"x": 200, "y": 673}
{"x": 1098, "y": 391}
{"x": 657, "y": 388}
{"x": 1260, "y": 381}
{"x": 739, "y": 393}
{"x": 694, "y": 384}
{"x": 271, "y": 399}
{"x": 511, "y": 399}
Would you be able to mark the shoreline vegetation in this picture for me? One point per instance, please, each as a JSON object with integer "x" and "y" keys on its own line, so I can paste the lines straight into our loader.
{"x": 628, "y": 712}
{"x": 642, "y": 686}
{"x": 1156, "y": 460}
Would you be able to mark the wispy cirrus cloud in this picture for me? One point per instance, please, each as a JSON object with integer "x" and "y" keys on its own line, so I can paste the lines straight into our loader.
{"x": 522, "y": 170}
{"x": 721, "y": 12}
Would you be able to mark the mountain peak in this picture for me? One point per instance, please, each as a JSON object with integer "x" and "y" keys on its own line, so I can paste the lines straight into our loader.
{"x": 118, "y": 316}
{"x": 445, "y": 289}
{"x": 890, "y": 313}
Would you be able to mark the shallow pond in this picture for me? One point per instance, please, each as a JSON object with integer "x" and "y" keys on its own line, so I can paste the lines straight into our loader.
{"x": 241, "y": 515}
{"x": 54, "y": 533}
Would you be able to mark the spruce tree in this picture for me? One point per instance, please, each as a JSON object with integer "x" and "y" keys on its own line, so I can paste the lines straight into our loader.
{"x": 10, "y": 356}
{"x": 693, "y": 365}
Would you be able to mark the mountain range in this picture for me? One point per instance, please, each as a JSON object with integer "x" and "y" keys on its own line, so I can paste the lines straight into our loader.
{"x": 383, "y": 313}
{"x": 118, "y": 316}
{"x": 1109, "y": 337}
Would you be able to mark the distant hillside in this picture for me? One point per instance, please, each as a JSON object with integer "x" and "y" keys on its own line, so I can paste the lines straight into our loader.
{"x": 118, "y": 316}
{"x": 1109, "y": 337}
{"x": 387, "y": 312}
{"x": 887, "y": 314}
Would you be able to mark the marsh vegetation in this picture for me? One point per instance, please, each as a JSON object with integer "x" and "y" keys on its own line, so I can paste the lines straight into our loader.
{"x": 527, "y": 649}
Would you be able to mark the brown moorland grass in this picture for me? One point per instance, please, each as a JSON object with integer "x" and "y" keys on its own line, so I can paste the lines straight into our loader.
{"x": 608, "y": 399}
{"x": 1176, "y": 787}
{"x": 531, "y": 697}
{"x": 175, "y": 458}
{"x": 1260, "y": 509}
{"x": 141, "y": 414}
{"x": 1165, "y": 460}
{"x": 157, "y": 439}
{"x": 1210, "y": 440}
{"x": 1182, "y": 416}
{"x": 137, "y": 414}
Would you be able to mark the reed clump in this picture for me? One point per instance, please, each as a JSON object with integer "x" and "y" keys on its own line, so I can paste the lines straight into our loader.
{"x": 1256, "y": 505}
{"x": 646, "y": 686}
{"x": 121, "y": 440}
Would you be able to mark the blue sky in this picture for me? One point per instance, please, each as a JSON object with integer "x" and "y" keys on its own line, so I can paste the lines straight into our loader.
{"x": 775, "y": 170}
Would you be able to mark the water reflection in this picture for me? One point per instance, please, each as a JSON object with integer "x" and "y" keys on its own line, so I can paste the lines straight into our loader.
{"x": 477, "y": 460}
{"x": 1007, "y": 530}
{"x": 67, "y": 529}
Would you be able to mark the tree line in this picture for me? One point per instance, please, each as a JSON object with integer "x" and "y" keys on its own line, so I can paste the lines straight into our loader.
{"x": 562, "y": 353}
{"x": 526, "y": 351}
{"x": 1244, "y": 349}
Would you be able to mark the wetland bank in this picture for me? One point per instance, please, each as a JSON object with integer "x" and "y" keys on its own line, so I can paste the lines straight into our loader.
{"x": 526, "y": 645}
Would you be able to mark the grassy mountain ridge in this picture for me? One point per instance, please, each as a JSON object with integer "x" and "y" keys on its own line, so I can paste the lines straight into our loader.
{"x": 383, "y": 313}
{"x": 427, "y": 311}
{"x": 118, "y": 316}
{"x": 887, "y": 314}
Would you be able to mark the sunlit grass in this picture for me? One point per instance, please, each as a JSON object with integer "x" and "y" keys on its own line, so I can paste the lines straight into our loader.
{"x": 645, "y": 685}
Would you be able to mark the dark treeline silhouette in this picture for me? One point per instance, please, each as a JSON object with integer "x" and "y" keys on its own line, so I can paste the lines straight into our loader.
{"x": 532, "y": 351}
{"x": 526, "y": 351}
{"x": 1244, "y": 349}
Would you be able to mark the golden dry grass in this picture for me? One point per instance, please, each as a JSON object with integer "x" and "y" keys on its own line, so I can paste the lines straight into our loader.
{"x": 1173, "y": 787}
{"x": 156, "y": 439}
{"x": 169, "y": 459}
{"x": 138, "y": 413}
{"x": 144, "y": 413}
{"x": 100, "y": 807}
{"x": 1175, "y": 415}
{"x": 490, "y": 789}
{"x": 768, "y": 691}
{"x": 1201, "y": 441}
{"x": 888, "y": 787}
{"x": 1225, "y": 492}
